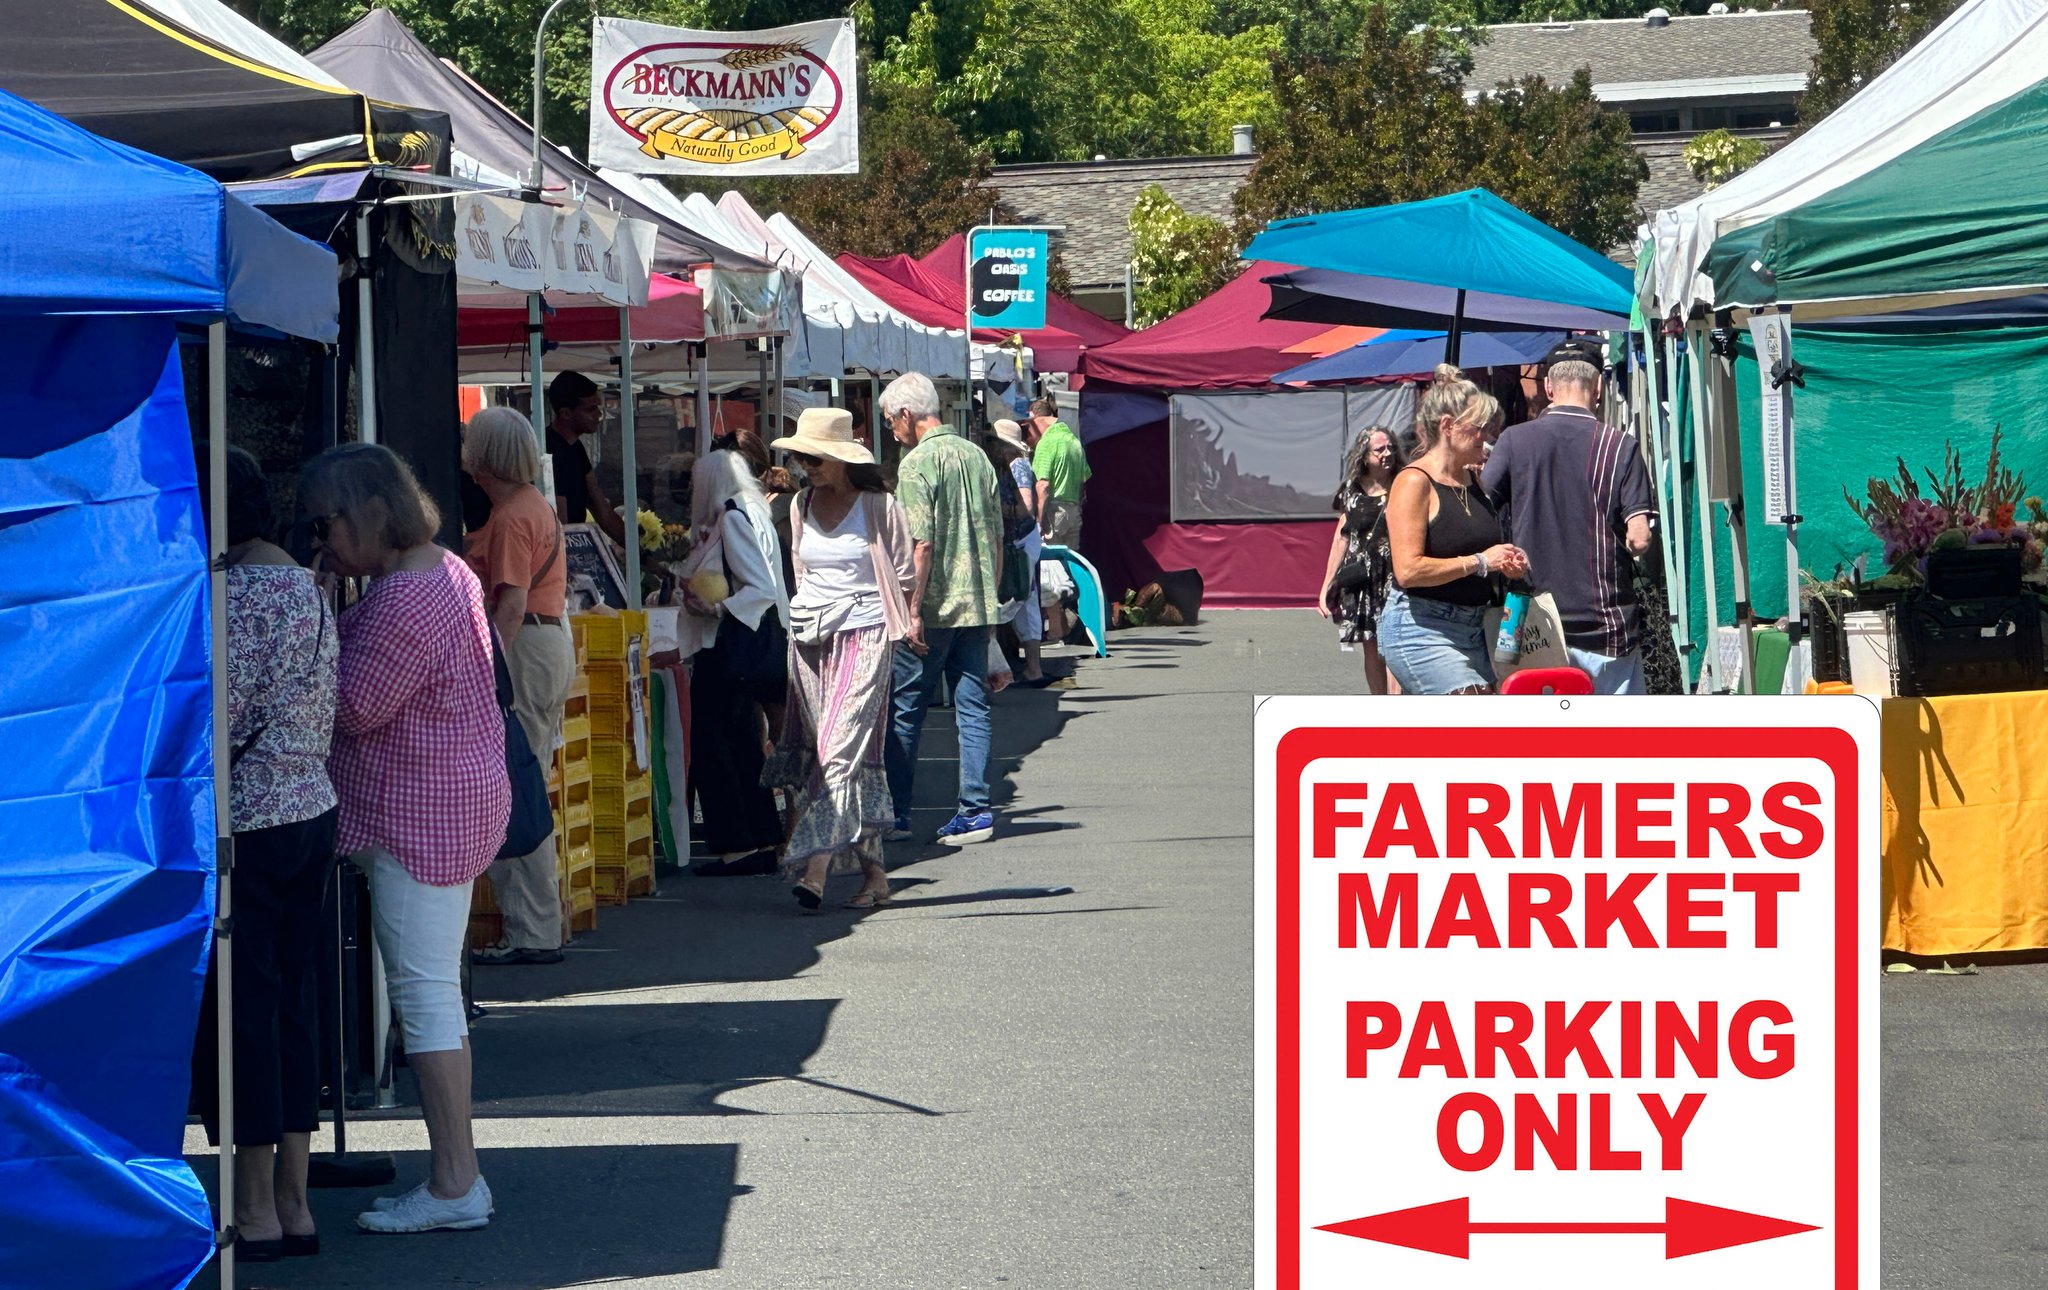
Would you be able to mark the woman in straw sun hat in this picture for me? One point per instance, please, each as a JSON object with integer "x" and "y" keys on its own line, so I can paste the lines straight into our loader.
{"x": 852, "y": 552}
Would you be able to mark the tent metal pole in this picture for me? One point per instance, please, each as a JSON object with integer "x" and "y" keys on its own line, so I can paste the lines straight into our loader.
{"x": 535, "y": 176}
{"x": 224, "y": 832}
{"x": 1650, "y": 431}
{"x": 775, "y": 422}
{"x": 761, "y": 347}
{"x": 536, "y": 345}
{"x": 366, "y": 335}
{"x": 1711, "y": 672}
{"x": 1454, "y": 341}
{"x": 1795, "y": 608}
{"x": 629, "y": 461}
{"x": 704, "y": 396}
{"x": 1725, "y": 427}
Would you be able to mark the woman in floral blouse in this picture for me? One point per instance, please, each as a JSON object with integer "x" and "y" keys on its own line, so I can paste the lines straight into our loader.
{"x": 281, "y": 649}
{"x": 419, "y": 764}
{"x": 1360, "y": 553}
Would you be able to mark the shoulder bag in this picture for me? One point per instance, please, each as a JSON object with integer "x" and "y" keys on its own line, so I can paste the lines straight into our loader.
{"x": 757, "y": 657}
{"x": 532, "y": 820}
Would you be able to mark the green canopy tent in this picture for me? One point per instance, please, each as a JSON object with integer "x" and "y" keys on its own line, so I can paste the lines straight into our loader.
{"x": 1927, "y": 189}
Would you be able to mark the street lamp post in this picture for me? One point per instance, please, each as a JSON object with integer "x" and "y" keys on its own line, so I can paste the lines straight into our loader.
{"x": 534, "y": 176}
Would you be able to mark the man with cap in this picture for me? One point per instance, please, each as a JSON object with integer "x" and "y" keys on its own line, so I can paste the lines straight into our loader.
{"x": 1577, "y": 498}
{"x": 1061, "y": 465}
{"x": 579, "y": 410}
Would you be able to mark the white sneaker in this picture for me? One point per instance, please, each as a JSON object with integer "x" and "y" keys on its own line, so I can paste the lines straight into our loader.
{"x": 385, "y": 1204}
{"x": 419, "y": 1210}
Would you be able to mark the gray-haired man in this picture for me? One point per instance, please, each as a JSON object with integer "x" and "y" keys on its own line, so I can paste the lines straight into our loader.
{"x": 948, "y": 491}
{"x": 1578, "y": 502}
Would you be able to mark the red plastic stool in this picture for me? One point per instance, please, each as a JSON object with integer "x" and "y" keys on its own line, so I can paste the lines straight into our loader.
{"x": 1547, "y": 680}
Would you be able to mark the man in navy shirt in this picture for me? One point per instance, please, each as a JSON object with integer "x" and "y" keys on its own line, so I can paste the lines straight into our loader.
{"x": 1577, "y": 498}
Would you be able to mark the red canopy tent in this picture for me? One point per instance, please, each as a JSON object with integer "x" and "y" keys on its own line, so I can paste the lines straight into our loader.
{"x": 674, "y": 312}
{"x": 1128, "y": 530}
{"x": 932, "y": 294}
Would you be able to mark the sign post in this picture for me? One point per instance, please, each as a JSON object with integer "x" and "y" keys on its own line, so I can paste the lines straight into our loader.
{"x": 1008, "y": 280}
{"x": 1567, "y": 993}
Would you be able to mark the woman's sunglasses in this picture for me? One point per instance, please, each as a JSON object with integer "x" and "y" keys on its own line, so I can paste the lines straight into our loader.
{"x": 806, "y": 461}
{"x": 318, "y": 526}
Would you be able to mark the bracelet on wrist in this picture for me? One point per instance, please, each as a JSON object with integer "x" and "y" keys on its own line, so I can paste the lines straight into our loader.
{"x": 1479, "y": 564}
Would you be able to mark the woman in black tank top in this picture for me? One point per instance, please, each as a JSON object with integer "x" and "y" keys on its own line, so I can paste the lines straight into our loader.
{"x": 1447, "y": 544}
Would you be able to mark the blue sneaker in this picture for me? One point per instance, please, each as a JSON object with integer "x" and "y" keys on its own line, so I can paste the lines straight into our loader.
{"x": 964, "y": 828}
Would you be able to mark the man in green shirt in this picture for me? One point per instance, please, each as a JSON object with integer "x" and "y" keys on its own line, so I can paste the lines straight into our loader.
{"x": 1062, "y": 470}
{"x": 948, "y": 491}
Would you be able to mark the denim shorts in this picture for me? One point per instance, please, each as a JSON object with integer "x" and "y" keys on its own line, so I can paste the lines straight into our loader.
{"x": 1433, "y": 647}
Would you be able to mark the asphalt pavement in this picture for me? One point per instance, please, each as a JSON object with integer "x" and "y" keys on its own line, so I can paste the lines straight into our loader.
{"x": 1034, "y": 1069}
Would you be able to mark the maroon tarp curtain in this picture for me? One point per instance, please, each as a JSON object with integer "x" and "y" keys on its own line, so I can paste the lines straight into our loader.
{"x": 1218, "y": 344}
{"x": 1127, "y": 531}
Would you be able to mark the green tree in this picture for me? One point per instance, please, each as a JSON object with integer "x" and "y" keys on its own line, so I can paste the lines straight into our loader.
{"x": 1176, "y": 258}
{"x": 1855, "y": 40}
{"x": 920, "y": 182}
{"x": 1392, "y": 125}
{"x": 1717, "y": 156}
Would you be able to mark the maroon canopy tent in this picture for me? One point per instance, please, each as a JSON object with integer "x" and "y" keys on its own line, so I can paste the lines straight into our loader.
{"x": 1128, "y": 529}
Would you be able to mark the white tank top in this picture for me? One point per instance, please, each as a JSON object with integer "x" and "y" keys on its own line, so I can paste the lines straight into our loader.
{"x": 837, "y": 565}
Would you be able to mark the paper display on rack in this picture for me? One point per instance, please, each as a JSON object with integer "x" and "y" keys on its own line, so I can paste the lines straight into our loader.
{"x": 666, "y": 100}
{"x": 1772, "y": 334}
{"x": 572, "y": 250}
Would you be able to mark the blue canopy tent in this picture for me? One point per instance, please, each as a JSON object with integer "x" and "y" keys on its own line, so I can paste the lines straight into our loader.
{"x": 110, "y": 807}
{"x": 1405, "y": 353}
{"x": 1438, "y": 262}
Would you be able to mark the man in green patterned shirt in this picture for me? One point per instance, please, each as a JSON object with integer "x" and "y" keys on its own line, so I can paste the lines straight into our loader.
{"x": 948, "y": 491}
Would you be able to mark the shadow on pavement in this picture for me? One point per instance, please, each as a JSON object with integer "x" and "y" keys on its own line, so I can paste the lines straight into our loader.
{"x": 566, "y": 1216}
{"x": 639, "y": 1059}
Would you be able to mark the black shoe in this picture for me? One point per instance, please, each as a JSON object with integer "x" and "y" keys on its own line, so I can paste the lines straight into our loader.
{"x": 248, "y": 1251}
{"x": 301, "y": 1247}
{"x": 499, "y": 956}
{"x": 759, "y": 864}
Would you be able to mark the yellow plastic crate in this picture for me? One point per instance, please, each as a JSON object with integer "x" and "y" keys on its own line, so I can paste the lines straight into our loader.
{"x": 612, "y": 802}
{"x": 616, "y": 883}
{"x": 612, "y": 844}
{"x": 611, "y": 761}
{"x": 576, "y": 729}
{"x": 604, "y": 636}
{"x": 577, "y": 771}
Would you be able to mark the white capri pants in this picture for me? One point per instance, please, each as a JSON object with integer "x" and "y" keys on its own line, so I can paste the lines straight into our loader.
{"x": 421, "y": 933}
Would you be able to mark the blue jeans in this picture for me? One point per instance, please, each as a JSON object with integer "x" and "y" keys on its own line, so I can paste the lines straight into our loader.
{"x": 1611, "y": 675}
{"x": 959, "y": 654}
{"x": 1433, "y": 647}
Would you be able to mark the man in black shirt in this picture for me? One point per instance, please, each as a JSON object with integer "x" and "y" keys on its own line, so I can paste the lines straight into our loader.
{"x": 1577, "y": 498}
{"x": 579, "y": 410}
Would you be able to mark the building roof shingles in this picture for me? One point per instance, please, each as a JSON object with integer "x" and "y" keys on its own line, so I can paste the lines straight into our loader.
{"x": 1625, "y": 51}
{"x": 1093, "y": 201}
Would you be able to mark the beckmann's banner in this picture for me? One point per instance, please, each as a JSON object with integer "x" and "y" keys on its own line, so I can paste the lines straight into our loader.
{"x": 668, "y": 101}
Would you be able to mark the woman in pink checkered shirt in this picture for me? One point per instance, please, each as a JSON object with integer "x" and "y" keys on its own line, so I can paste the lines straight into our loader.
{"x": 419, "y": 766}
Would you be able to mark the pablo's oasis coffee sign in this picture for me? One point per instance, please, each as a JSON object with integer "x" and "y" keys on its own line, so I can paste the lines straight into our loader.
{"x": 666, "y": 100}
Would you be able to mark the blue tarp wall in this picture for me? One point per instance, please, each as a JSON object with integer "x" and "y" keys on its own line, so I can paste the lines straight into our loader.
{"x": 106, "y": 805}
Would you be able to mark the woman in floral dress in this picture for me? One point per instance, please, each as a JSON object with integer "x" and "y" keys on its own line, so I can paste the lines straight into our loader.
{"x": 1355, "y": 581}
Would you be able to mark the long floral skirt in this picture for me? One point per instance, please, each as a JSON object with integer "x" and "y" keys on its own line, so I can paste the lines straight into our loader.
{"x": 831, "y": 750}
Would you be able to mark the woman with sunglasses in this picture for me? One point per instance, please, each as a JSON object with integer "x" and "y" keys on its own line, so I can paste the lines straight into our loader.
{"x": 419, "y": 766}
{"x": 854, "y": 575}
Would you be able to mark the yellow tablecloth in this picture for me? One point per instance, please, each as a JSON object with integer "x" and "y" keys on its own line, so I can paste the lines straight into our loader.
{"x": 1966, "y": 823}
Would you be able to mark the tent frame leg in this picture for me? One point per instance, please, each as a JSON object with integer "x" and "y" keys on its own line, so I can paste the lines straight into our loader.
{"x": 629, "y": 459}
{"x": 224, "y": 833}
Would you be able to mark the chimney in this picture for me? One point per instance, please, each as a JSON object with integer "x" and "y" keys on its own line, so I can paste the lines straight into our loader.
{"x": 1658, "y": 17}
{"x": 1241, "y": 140}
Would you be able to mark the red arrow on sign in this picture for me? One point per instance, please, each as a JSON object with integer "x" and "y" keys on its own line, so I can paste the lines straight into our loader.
{"x": 1447, "y": 1227}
